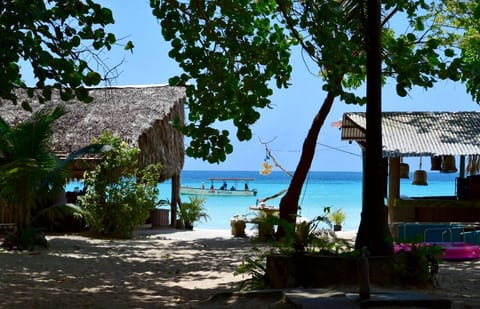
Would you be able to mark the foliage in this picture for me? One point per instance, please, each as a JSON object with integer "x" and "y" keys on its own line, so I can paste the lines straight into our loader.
{"x": 253, "y": 267}
{"x": 57, "y": 39}
{"x": 238, "y": 224}
{"x": 307, "y": 238}
{"x": 312, "y": 237}
{"x": 420, "y": 264}
{"x": 417, "y": 266}
{"x": 232, "y": 49}
{"x": 26, "y": 158}
{"x": 193, "y": 211}
{"x": 233, "y": 62}
{"x": 25, "y": 239}
{"x": 119, "y": 195}
{"x": 337, "y": 216}
{"x": 265, "y": 222}
{"x": 59, "y": 217}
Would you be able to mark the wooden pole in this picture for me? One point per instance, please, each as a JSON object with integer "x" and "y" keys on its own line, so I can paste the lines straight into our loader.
{"x": 393, "y": 180}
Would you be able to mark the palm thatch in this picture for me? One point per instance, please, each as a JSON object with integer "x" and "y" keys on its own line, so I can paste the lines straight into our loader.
{"x": 140, "y": 115}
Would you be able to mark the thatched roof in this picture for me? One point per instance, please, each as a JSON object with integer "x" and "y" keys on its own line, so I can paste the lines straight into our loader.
{"x": 140, "y": 115}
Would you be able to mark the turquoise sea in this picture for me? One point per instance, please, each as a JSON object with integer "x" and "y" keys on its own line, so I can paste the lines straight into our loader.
{"x": 334, "y": 189}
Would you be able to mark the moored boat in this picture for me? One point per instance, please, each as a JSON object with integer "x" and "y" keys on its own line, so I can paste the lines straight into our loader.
{"x": 223, "y": 190}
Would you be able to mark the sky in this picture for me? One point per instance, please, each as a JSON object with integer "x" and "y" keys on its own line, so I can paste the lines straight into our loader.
{"x": 287, "y": 124}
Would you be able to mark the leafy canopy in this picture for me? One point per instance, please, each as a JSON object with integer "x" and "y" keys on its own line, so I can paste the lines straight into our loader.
{"x": 58, "y": 40}
{"x": 232, "y": 49}
{"x": 230, "y": 52}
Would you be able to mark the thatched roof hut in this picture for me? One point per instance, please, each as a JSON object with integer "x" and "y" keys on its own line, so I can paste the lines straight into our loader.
{"x": 140, "y": 115}
{"x": 438, "y": 135}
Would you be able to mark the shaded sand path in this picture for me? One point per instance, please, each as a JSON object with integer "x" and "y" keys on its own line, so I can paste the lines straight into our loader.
{"x": 159, "y": 268}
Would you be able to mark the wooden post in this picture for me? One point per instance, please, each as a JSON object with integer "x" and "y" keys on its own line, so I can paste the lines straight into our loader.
{"x": 462, "y": 167}
{"x": 393, "y": 180}
{"x": 393, "y": 184}
{"x": 175, "y": 199}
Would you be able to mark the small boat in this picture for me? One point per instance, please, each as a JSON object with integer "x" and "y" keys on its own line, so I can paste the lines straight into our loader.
{"x": 223, "y": 190}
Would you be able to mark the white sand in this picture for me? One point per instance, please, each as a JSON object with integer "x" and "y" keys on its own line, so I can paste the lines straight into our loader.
{"x": 159, "y": 268}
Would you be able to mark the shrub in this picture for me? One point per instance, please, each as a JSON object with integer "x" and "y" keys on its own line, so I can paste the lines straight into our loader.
{"x": 28, "y": 238}
{"x": 191, "y": 212}
{"x": 119, "y": 195}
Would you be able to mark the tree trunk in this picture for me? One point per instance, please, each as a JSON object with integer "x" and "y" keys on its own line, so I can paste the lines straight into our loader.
{"x": 373, "y": 231}
{"x": 289, "y": 202}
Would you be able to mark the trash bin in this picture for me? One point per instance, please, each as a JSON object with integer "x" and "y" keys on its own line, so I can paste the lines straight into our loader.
{"x": 159, "y": 217}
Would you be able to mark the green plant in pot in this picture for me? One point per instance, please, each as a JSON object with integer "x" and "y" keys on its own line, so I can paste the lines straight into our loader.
{"x": 193, "y": 211}
{"x": 238, "y": 224}
{"x": 337, "y": 217}
{"x": 265, "y": 223}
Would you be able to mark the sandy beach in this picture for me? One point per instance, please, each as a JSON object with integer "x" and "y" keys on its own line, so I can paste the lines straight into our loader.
{"x": 158, "y": 268}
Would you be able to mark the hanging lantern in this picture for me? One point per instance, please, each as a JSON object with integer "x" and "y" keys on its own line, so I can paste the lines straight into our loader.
{"x": 420, "y": 176}
{"x": 448, "y": 164}
{"x": 436, "y": 163}
{"x": 404, "y": 170}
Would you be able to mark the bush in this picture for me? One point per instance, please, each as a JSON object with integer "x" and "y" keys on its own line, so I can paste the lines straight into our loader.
{"x": 119, "y": 195}
{"x": 25, "y": 239}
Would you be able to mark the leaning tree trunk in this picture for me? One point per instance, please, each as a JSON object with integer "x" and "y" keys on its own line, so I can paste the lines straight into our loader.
{"x": 373, "y": 232}
{"x": 289, "y": 202}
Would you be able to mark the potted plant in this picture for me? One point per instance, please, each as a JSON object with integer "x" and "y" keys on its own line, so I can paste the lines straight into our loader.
{"x": 193, "y": 211}
{"x": 337, "y": 217}
{"x": 238, "y": 224}
{"x": 265, "y": 223}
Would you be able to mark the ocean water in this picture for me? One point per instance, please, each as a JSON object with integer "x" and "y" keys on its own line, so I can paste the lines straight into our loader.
{"x": 321, "y": 189}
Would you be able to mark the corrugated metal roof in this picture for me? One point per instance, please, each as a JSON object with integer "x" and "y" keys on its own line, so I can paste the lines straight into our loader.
{"x": 414, "y": 134}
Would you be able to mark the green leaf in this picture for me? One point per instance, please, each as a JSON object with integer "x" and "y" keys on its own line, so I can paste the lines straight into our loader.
{"x": 401, "y": 90}
{"x": 26, "y": 106}
{"x": 92, "y": 78}
{"x": 476, "y": 12}
{"x": 129, "y": 46}
{"x": 449, "y": 52}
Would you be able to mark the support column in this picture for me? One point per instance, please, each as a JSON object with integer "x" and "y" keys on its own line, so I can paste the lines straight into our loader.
{"x": 175, "y": 200}
{"x": 462, "y": 167}
{"x": 393, "y": 184}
